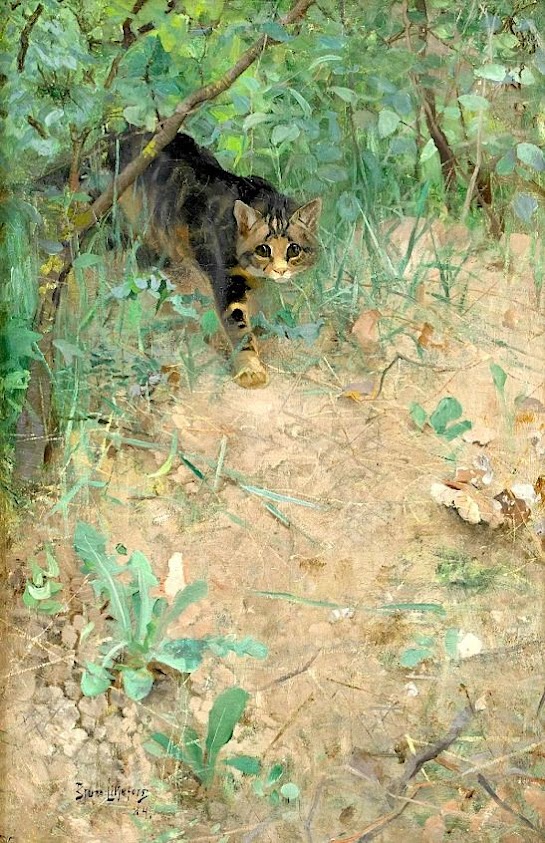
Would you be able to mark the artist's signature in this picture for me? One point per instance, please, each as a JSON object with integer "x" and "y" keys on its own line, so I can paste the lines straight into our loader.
{"x": 135, "y": 796}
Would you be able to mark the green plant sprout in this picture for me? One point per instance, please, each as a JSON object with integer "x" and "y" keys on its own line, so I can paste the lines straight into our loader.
{"x": 140, "y": 622}
{"x": 448, "y": 410}
{"x": 42, "y": 586}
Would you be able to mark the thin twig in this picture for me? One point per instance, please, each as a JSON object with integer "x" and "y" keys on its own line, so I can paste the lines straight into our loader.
{"x": 313, "y": 808}
{"x": 416, "y": 762}
{"x": 286, "y": 676}
{"x": 506, "y": 807}
{"x": 377, "y": 826}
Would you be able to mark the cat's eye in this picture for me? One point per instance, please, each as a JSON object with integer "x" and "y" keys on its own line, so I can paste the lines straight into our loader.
{"x": 293, "y": 251}
{"x": 263, "y": 251}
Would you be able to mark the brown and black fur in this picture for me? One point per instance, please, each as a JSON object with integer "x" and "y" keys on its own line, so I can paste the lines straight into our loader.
{"x": 236, "y": 229}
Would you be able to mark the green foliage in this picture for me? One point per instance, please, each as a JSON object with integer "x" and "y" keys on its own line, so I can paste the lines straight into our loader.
{"x": 18, "y": 340}
{"x": 457, "y": 569}
{"x": 43, "y": 585}
{"x": 201, "y": 757}
{"x": 448, "y": 410}
{"x": 140, "y": 622}
{"x": 499, "y": 376}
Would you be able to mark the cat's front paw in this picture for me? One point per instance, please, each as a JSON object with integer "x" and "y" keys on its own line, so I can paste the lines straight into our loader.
{"x": 250, "y": 371}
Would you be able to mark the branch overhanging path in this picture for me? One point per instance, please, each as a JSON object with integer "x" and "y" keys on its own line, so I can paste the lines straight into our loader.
{"x": 166, "y": 133}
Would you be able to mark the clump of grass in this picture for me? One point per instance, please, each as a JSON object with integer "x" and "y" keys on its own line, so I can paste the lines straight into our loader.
{"x": 460, "y": 570}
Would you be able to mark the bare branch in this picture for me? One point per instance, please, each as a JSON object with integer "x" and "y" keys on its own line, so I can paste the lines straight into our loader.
{"x": 25, "y": 36}
{"x": 171, "y": 126}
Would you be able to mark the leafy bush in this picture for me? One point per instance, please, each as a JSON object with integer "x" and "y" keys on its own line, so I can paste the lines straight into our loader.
{"x": 140, "y": 621}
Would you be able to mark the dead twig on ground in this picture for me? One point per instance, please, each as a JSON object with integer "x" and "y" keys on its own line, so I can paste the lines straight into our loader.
{"x": 377, "y": 826}
{"x": 312, "y": 810}
{"x": 286, "y": 676}
{"x": 485, "y": 784}
{"x": 413, "y": 767}
{"x": 416, "y": 762}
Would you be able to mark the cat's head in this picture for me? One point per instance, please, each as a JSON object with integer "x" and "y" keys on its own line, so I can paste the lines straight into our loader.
{"x": 277, "y": 247}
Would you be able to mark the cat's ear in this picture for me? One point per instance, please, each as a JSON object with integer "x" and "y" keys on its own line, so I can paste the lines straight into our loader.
{"x": 308, "y": 215}
{"x": 245, "y": 216}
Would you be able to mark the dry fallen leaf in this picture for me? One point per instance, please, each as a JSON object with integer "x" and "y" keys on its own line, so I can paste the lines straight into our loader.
{"x": 511, "y": 318}
{"x": 175, "y": 579}
{"x": 513, "y": 508}
{"x": 482, "y": 463}
{"x": 471, "y": 504}
{"x": 469, "y": 645}
{"x": 358, "y": 390}
{"x": 532, "y": 404}
{"x": 428, "y": 338}
{"x": 467, "y": 507}
{"x": 525, "y": 492}
{"x": 470, "y": 475}
{"x": 539, "y": 488}
{"x": 365, "y": 329}
{"x": 479, "y": 434}
{"x": 425, "y": 335}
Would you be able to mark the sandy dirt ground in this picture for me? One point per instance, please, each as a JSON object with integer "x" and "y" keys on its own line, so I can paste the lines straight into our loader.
{"x": 395, "y": 625}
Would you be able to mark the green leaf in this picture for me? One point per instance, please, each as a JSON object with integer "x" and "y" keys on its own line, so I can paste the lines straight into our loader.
{"x": 332, "y": 172}
{"x": 494, "y": 72}
{"x": 418, "y": 415}
{"x": 68, "y": 350}
{"x": 446, "y": 411}
{"x": 414, "y": 656}
{"x": 85, "y": 260}
{"x": 346, "y": 94}
{"x": 137, "y": 683}
{"x": 531, "y": 155}
{"x": 193, "y": 592}
{"x": 166, "y": 467}
{"x": 183, "y": 654}
{"x": 90, "y": 546}
{"x": 324, "y": 60}
{"x": 143, "y": 580}
{"x": 457, "y": 430}
{"x": 255, "y": 119}
{"x": 276, "y": 31}
{"x": 50, "y": 607}
{"x": 506, "y": 165}
{"x": 524, "y": 205}
{"x": 225, "y": 713}
{"x": 95, "y": 680}
{"x": 499, "y": 377}
{"x": 474, "y": 102}
{"x": 283, "y": 133}
{"x": 452, "y": 637}
{"x": 348, "y": 206}
{"x": 210, "y": 323}
{"x": 247, "y": 764}
{"x": 290, "y": 791}
{"x": 248, "y": 646}
{"x": 190, "y": 753}
{"x": 436, "y": 608}
{"x": 52, "y": 569}
{"x": 43, "y": 593}
{"x": 428, "y": 151}
{"x": 305, "y": 105}
{"x": 275, "y": 774}
{"x": 388, "y": 121}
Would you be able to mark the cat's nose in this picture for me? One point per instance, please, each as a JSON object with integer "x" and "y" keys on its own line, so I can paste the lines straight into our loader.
{"x": 282, "y": 268}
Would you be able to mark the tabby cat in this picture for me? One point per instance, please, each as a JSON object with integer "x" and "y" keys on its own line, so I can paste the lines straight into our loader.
{"x": 238, "y": 230}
